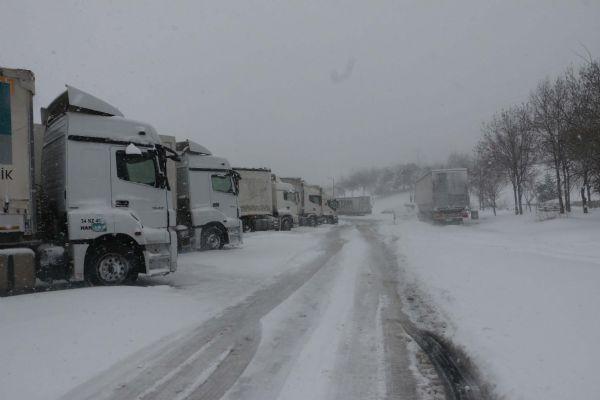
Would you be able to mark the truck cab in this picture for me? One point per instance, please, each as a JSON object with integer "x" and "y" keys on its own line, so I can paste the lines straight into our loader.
{"x": 329, "y": 210}
{"x": 285, "y": 203}
{"x": 106, "y": 195}
{"x": 310, "y": 206}
{"x": 208, "y": 211}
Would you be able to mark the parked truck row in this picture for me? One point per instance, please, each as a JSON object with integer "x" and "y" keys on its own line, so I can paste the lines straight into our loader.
{"x": 92, "y": 195}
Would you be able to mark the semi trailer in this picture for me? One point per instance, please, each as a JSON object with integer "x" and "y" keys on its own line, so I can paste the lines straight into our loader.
{"x": 105, "y": 212}
{"x": 358, "y": 205}
{"x": 310, "y": 204}
{"x": 208, "y": 212}
{"x": 266, "y": 203}
{"x": 442, "y": 195}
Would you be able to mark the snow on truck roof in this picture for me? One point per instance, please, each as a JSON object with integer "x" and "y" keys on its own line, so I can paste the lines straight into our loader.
{"x": 188, "y": 146}
{"x": 253, "y": 169}
{"x": 91, "y": 117}
{"x": 441, "y": 170}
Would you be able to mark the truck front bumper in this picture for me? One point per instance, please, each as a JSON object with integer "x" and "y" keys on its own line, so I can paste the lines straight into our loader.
{"x": 235, "y": 235}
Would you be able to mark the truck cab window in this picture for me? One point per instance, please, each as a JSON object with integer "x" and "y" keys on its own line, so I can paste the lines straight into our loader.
{"x": 313, "y": 198}
{"x": 137, "y": 168}
{"x": 289, "y": 196}
{"x": 222, "y": 183}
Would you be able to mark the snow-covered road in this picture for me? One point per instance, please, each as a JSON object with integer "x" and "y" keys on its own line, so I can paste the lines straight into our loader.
{"x": 368, "y": 309}
{"x": 318, "y": 328}
{"x": 290, "y": 315}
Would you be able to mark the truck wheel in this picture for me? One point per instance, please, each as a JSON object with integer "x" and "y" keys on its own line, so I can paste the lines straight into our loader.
{"x": 312, "y": 221}
{"x": 110, "y": 265}
{"x": 212, "y": 238}
{"x": 286, "y": 224}
{"x": 246, "y": 227}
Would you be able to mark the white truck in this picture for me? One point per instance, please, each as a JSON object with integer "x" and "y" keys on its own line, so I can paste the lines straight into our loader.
{"x": 442, "y": 195}
{"x": 358, "y": 205}
{"x": 310, "y": 210}
{"x": 266, "y": 203}
{"x": 106, "y": 213}
{"x": 208, "y": 213}
{"x": 330, "y": 215}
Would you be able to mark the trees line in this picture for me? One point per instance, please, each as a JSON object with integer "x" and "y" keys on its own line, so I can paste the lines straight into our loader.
{"x": 559, "y": 126}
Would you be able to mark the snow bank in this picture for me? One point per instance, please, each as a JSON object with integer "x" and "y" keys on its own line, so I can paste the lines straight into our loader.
{"x": 521, "y": 296}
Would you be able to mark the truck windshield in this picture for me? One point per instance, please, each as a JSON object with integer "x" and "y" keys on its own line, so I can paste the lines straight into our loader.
{"x": 313, "y": 198}
{"x": 137, "y": 168}
{"x": 222, "y": 183}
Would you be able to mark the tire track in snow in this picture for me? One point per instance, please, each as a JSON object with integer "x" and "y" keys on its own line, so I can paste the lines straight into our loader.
{"x": 459, "y": 381}
{"x": 135, "y": 375}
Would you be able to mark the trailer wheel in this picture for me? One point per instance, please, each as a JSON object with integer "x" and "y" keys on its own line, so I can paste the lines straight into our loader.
{"x": 286, "y": 224}
{"x": 212, "y": 238}
{"x": 111, "y": 265}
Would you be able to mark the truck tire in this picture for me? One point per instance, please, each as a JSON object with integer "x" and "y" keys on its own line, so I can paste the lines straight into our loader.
{"x": 212, "y": 238}
{"x": 111, "y": 265}
{"x": 286, "y": 224}
{"x": 312, "y": 221}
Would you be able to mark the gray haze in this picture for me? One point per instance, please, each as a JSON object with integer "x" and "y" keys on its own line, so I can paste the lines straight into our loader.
{"x": 314, "y": 88}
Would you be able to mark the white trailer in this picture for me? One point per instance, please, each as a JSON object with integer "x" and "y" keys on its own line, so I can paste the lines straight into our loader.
{"x": 266, "y": 203}
{"x": 208, "y": 212}
{"x": 442, "y": 195}
{"x": 256, "y": 199}
{"x": 358, "y": 205}
{"x": 17, "y": 192}
{"x": 105, "y": 209}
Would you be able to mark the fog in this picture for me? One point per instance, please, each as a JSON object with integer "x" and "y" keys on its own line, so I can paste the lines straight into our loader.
{"x": 312, "y": 89}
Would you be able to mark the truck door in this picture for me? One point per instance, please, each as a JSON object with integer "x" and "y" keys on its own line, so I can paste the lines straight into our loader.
{"x": 223, "y": 195}
{"x": 138, "y": 187}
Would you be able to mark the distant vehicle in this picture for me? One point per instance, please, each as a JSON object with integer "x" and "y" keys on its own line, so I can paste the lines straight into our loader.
{"x": 310, "y": 201}
{"x": 359, "y": 205}
{"x": 208, "y": 213}
{"x": 85, "y": 196}
{"x": 266, "y": 203}
{"x": 442, "y": 195}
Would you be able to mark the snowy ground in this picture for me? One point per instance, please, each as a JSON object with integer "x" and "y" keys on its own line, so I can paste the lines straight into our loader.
{"x": 324, "y": 314}
{"x": 62, "y": 338}
{"x": 520, "y": 296}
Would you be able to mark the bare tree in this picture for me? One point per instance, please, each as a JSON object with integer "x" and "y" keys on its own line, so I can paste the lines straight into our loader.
{"x": 549, "y": 105}
{"x": 487, "y": 178}
{"x": 510, "y": 142}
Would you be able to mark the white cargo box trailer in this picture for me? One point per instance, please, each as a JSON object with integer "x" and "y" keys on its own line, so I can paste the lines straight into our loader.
{"x": 358, "y": 205}
{"x": 17, "y": 196}
{"x": 442, "y": 195}
{"x": 256, "y": 199}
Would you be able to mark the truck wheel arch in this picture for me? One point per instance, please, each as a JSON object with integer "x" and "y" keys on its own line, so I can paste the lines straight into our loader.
{"x": 116, "y": 239}
{"x": 221, "y": 228}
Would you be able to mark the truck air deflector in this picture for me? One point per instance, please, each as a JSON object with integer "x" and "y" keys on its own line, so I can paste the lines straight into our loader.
{"x": 77, "y": 100}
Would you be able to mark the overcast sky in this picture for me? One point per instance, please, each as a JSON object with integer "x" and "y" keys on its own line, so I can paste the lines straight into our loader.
{"x": 308, "y": 88}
